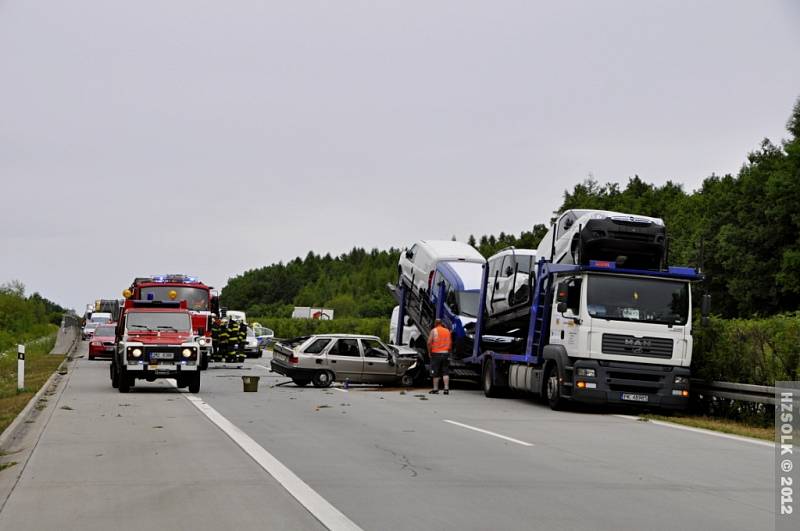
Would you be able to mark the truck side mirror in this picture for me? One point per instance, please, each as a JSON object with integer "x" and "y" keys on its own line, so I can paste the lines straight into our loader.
{"x": 705, "y": 308}
{"x": 562, "y": 307}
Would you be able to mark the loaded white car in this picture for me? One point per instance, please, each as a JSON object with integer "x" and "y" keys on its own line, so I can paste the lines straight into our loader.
{"x": 631, "y": 240}
{"x": 325, "y": 358}
{"x": 511, "y": 277}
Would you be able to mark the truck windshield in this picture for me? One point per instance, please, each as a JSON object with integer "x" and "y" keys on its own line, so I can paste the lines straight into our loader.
{"x": 638, "y": 299}
{"x": 169, "y": 321}
{"x": 196, "y": 298}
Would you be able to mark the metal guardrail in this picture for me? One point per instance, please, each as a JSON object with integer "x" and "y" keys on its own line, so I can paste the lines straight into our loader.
{"x": 761, "y": 394}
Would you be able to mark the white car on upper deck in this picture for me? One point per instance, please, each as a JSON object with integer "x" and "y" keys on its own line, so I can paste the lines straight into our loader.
{"x": 418, "y": 263}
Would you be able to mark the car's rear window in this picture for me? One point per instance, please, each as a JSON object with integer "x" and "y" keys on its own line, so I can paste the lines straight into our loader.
{"x": 105, "y": 331}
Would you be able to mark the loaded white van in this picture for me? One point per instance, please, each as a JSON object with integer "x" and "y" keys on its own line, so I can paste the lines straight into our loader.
{"x": 511, "y": 277}
{"x": 417, "y": 264}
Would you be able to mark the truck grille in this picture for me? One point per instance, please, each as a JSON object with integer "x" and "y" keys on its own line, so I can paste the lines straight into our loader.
{"x": 651, "y": 347}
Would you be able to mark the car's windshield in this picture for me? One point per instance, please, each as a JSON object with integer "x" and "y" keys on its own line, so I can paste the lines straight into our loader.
{"x": 170, "y": 321}
{"x": 196, "y": 298}
{"x": 468, "y": 303}
{"x": 106, "y": 331}
{"x": 638, "y": 299}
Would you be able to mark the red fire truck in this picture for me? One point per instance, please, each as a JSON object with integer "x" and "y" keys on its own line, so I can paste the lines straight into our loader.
{"x": 201, "y": 300}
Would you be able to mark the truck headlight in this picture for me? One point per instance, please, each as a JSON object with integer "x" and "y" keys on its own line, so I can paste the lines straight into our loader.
{"x": 585, "y": 372}
{"x": 682, "y": 380}
{"x": 202, "y": 341}
{"x": 137, "y": 352}
{"x": 187, "y": 353}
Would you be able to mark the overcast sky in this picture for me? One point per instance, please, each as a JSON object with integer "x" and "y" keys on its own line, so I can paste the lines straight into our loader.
{"x": 215, "y": 137}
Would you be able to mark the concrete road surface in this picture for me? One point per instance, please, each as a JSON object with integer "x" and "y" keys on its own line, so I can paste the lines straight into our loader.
{"x": 384, "y": 458}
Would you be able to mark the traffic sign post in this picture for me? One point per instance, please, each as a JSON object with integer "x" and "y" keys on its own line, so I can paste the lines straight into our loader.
{"x": 20, "y": 367}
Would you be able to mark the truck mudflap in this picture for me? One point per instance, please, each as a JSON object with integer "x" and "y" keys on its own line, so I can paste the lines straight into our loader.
{"x": 606, "y": 382}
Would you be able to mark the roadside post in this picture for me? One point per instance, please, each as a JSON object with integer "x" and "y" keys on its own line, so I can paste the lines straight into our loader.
{"x": 20, "y": 367}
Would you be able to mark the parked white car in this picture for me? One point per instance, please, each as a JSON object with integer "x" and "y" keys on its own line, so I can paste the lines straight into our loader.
{"x": 584, "y": 235}
{"x": 410, "y": 332}
{"x": 418, "y": 263}
{"x": 511, "y": 275}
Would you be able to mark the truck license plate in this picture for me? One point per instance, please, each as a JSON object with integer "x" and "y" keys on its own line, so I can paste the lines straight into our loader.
{"x": 634, "y": 397}
{"x": 161, "y": 356}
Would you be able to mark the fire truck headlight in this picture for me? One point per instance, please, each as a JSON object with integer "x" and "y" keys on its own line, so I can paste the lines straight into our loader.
{"x": 187, "y": 353}
{"x": 202, "y": 341}
{"x": 136, "y": 352}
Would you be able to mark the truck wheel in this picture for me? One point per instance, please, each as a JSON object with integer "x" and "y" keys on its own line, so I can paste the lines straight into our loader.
{"x": 490, "y": 389}
{"x": 553, "y": 389}
{"x": 299, "y": 382}
{"x": 124, "y": 382}
{"x": 322, "y": 379}
{"x": 194, "y": 383}
{"x": 203, "y": 362}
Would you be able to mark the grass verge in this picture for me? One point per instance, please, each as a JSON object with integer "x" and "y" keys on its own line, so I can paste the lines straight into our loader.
{"x": 39, "y": 365}
{"x": 722, "y": 425}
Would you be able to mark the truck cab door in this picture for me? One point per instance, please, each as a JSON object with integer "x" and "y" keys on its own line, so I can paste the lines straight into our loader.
{"x": 564, "y": 327}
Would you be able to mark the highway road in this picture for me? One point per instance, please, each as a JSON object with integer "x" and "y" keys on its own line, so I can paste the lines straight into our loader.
{"x": 370, "y": 458}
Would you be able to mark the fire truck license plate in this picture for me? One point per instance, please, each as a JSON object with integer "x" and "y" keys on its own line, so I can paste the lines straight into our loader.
{"x": 161, "y": 356}
{"x": 634, "y": 397}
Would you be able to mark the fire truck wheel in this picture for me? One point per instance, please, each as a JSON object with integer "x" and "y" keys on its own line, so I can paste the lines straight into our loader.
{"x": 322, "y": 379}
{"x": 194, "y": 383}
{"x": 181, "y": 382}
{"x": 203, "y": 362}
{"x": 114, "y": 377}
{"x": 124, "y": 382}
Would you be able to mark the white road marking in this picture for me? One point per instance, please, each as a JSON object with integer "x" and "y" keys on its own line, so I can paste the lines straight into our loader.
{"x": 341, "y": 390}
{"x": 319, "y": 507}
{"x": 701, "y": 431}
{"x": 487, "y": 432}
{"x": 261, "y": 366}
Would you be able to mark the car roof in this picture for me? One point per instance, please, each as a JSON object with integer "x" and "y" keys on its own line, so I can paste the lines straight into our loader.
{"x": 447, "y": 249}
{"x": 346, "y": 336}
{"x": 520, "y": 252}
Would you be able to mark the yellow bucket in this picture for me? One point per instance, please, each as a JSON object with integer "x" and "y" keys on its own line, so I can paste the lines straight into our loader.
{"x": 250, "y": 383}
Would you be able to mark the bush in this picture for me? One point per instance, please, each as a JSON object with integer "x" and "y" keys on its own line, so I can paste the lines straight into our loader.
{"x": 754, "y": 351}
{"x": 286, "y": 327}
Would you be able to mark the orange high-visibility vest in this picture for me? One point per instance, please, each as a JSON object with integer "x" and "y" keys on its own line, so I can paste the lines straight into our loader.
{"x": 440, "y": 340}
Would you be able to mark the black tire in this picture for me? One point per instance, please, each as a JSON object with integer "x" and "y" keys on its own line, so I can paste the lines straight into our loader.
{"x": 203, "y": 362}
{"x": 194, "y": 382}
{"x": 124, "y": 381}
{"x": 322, "y": 379}
{"x": 114, "y": 376}
{"x": 181, "y": 382}
{"x": 300, "y": 382}
{"x": 490, "y": 389}
{"x": 552, "y": 389}
{"x": 407, "y": 380}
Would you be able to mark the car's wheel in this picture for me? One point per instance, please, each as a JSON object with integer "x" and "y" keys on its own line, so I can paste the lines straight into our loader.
{"x": 553, "y": 389}
{"x": 194, "y": 383}
{"x": 407, "y": 380}
{"x": 322, "y": 379}
{"x": 124, "y": 382}
{"x": 490, "y": 389}
{"x": 91, "y": 357}
{"x": 300, "y": 382}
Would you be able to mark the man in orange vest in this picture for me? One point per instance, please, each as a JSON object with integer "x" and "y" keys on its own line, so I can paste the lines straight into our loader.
{"x": 440, "y": 343}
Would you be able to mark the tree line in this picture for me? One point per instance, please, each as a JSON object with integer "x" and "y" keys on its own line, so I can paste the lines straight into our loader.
{"x": 743, "y": 230}
{"x": 25, "y": 317}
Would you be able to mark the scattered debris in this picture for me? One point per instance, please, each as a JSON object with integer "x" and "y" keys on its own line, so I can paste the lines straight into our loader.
{"x": 158, "y": 427}
{"x": 125, "y": 405}
{"x": 67, "y": 408}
